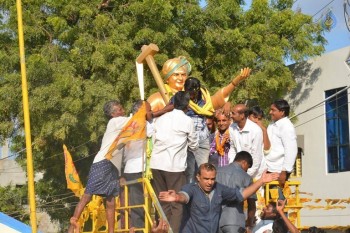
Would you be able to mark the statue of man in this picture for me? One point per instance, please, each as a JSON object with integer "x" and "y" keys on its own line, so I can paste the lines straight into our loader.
{"x": 175, "y": 72}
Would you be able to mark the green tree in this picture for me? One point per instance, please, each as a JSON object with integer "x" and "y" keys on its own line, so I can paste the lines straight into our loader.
{"x": 12, "y": 201}
{"x": 263, "y": 38}
{"x": 79, "y": 55}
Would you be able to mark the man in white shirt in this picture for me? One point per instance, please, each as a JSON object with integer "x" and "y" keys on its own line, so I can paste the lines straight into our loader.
{"x": 284, "y": 149}
{"x": 248, "y": 137}
{"x": 173, "y": 133}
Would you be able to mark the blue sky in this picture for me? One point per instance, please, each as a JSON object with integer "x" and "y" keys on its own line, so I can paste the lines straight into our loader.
{"x": 339, "y": 36}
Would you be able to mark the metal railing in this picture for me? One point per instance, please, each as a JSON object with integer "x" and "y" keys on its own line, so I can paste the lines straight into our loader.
{"x": 94, "y": 217}
{"x": 294, "y": 204}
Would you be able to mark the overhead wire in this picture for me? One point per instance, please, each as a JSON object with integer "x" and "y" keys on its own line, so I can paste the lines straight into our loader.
{"x": 322, "y": 114}
{"x": 67, "y": 195}
{"x": 6, "y": 170}
{"x": 20, "y": 215}
{"x": 34, "y": 143}
{"x": 323, "y": 8}
{"x": 60, "y": 154}
{"x": 49, "y": 204}
{"x": 323, "y": 101}
{"x": 15, "y": 153}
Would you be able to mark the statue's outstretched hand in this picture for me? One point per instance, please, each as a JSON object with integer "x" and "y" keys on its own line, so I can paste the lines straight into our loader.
{"x": 245, "y": 72}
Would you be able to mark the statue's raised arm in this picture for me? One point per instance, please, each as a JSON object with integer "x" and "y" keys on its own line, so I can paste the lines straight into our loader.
{"x": 221, "y": 96}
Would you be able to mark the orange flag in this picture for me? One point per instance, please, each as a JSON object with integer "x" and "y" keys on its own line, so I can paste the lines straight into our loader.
{"x": 135, "y": 129}
{"x": 72, "y": 177}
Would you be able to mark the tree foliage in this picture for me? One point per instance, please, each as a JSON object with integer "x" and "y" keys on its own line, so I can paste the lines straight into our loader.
{"x": 12, "y": 201}
{"x": 79, "y": 55}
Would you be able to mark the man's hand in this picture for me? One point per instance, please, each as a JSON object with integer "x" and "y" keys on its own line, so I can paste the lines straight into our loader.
{"x": 122, "y": 181}
{"x": 226, "y": 109}
{"x": 226, "y": 137}
{"x": 260, "y": 123}
{"x": 168, "y": 196}
{"x": 282, "y": 178}
{"x": 249, "y": 223}
{"x": 268, "y": 177}
{"x": 162, "y": 227}
{"x": 245, "y": 72}
{"x": 280, "y": 204}
{"x": 74, "y": 222}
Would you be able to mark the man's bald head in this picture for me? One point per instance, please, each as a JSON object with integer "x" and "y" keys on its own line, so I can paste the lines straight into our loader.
{"x": 239, "y": 113}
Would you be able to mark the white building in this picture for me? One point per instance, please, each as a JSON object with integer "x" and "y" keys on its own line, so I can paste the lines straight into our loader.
{"x": 11, "y": 173}
{"x": 322, "y": 126}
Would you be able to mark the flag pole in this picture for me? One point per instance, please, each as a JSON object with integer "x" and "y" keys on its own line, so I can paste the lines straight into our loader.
{"x": 30, "y": 172}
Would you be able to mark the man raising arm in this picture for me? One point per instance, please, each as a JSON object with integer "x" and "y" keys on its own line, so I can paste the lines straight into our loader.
{"x": 203, "y": 199}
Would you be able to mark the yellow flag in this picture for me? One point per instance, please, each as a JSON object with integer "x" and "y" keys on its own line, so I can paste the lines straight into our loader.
{"x": 72, "y": 177}
{"x": 135, "y": 129}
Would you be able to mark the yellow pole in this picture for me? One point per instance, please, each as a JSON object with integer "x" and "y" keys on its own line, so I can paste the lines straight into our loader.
{"x": 30, "y": 172}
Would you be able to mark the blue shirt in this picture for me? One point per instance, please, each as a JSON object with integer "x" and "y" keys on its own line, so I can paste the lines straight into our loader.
{"x": 202, "y": 212}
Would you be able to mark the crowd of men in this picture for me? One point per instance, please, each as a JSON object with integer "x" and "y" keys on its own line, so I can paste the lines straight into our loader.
{"x": 207, "y": 158}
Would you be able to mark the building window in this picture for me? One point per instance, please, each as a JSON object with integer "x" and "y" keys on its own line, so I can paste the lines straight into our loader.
{"x": 337, "y": 130}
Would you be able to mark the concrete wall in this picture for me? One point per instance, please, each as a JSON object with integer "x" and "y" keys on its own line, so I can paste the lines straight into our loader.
{"x": 10, "y": 171}
{"x": 313, "y": 79}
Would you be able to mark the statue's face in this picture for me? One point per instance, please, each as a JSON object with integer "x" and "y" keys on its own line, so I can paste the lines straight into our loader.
{"x": 177, "y": 79}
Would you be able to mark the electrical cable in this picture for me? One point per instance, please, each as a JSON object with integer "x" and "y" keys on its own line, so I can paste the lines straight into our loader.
{"x": 309, "y": 109}
{"x": 320, "y": 115}
{"x": 323, "y": 8}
